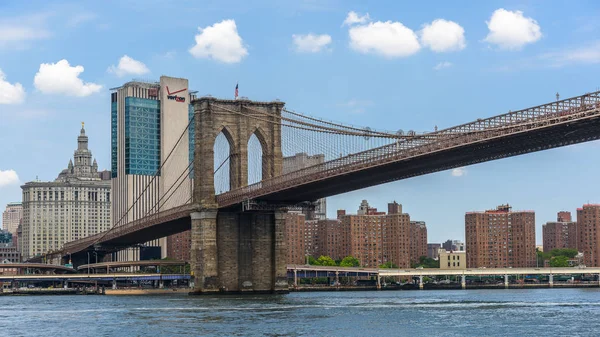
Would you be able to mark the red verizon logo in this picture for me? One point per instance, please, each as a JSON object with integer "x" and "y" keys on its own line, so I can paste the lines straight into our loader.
{"x": 172, "y": 96}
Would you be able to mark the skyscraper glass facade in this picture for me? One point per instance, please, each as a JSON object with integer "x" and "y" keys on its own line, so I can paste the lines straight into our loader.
{"x": 142, "y": 136}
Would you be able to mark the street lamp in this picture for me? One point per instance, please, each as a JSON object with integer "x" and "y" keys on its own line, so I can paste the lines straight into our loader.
{"x": 88, "y": 264}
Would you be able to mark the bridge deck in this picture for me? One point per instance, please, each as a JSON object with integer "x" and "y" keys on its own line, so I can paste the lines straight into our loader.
{"x": 551, "y": 125}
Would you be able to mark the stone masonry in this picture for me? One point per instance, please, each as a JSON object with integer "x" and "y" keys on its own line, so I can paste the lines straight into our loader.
{"x": 234, "y": 251}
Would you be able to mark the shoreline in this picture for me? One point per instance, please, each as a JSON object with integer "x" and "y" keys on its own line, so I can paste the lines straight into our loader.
{"x": 187, "y": 291}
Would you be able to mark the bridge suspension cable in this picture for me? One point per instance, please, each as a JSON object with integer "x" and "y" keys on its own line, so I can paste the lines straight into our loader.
{"x": 143, "y": 194}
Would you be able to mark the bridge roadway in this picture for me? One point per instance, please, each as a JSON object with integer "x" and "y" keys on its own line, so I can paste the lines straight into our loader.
{"x": 94, "y": 277}
{"x": 295, "y": 271}
{"x": 36, "y": 266}
{"x": 561, "y": 123}
{"x": 410, "y": 272}
{"x": 125, "y": 264}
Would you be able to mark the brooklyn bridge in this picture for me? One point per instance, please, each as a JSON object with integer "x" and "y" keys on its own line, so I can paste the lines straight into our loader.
{"x": 236, "y": 212}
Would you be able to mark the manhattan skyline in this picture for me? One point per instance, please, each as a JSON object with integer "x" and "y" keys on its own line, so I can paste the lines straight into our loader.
{"x": 406, "y": 82}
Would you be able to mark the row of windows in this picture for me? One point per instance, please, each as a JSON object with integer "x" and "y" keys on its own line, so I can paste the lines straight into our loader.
{"x": 142, "y": 135}
{"x": 113, "y": 135}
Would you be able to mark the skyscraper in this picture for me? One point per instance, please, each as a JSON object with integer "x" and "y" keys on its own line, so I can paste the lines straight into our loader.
{"x": 12, "y": 216}
{"x": 75, "y": 205}
{"x": 560, "y": 234}
{"x": 147, "y": 121}
{"x": 500, "y": 238}
{"x": 588, "y": 234}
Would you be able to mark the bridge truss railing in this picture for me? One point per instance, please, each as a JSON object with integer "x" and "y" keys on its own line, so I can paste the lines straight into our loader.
{"x": 502, "y": 125}
{"x": 130, "y": 227}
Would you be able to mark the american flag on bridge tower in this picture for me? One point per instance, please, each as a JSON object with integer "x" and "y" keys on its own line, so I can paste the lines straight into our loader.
{"x": 236, "y": 90}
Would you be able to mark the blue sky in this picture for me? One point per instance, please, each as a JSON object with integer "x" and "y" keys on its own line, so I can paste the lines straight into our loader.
{"x": 405, "y": 65}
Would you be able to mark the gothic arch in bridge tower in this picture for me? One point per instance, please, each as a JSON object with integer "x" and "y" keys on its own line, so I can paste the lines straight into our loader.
{"x": 224, "y": 148}
{"x": 233, "y": 250}
{"x": 258, "y": 156}
{"x": 238, "y": 120}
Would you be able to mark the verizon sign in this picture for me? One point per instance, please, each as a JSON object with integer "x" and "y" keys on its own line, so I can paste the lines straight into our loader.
{"x": 172, "y": 95}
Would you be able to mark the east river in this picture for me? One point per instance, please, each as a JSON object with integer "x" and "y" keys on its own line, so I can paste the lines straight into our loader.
{"x": 530, "y": 312}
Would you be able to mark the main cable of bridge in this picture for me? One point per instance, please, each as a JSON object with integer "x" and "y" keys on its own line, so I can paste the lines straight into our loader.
{"x": 151, "y": 182}
{"x": 519, "y": 121}
{"x": 316, "y": 138}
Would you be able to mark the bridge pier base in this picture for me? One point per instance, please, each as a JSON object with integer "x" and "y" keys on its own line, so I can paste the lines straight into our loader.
{"x": 551, "y": 280}
{"x": 239, "y": 252}
{"x": 204, "y": 251}
{"x": 463, "y": 282}
{"x": 506, "y": 281}
{"x": 421, "y": 282}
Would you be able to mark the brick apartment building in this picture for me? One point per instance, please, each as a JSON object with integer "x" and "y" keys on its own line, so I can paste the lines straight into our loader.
{"x": 418, "y": 240}
{"x": 371, "y": 236}
{"x": 560, "y": 234}
{"x": 179, "y": 246}
{"x": 296, "y": 229}
{"x": 588, "y": 234}
{"x": 500, "y": 238}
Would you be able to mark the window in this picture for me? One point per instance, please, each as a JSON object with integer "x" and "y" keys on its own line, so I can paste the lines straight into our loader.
{"x": 113, "y": 135}
{"x": 142, "y": 136}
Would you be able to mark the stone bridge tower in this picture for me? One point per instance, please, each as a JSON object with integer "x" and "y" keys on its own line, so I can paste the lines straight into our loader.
{"x": 235, "y": 250}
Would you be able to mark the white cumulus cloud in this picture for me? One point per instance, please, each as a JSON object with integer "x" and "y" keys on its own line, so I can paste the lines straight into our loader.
{"x": 512, "y": 30}
{"x": 220, "y": 42}
{"x": 442, "y": 65}
{"x": 390, "y": 39}
{"x": 459, "y": 172}
{"x": 443, "y": 36}
{"x": 8, "y": 177}
{"x": 61, "y": 78}
{"x": 10, "y": 93}
{"x": 354, "y": 18}
{"x": 128, "y": 66}
{"x": 311, "y": 43}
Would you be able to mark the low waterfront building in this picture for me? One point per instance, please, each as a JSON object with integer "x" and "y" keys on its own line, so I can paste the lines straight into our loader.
{"x": 452, "y": 259}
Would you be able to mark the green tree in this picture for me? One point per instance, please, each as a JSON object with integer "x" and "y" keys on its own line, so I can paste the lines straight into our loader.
{"x": 388, "y": 264}
{"x": 567, "y": 252}
{"x": 426, "y": 262}
{"x": 312, "y": 261}
{"x": 350, "y": 261}
{"x": 559, "y": 261}
{"x": 325, "y": 261}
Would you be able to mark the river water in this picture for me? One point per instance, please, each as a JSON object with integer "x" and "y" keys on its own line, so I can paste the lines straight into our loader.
{"x": 530, "y": 312}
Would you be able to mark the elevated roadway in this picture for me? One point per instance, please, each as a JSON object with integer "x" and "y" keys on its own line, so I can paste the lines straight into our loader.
{"x": 125, "y": 264}
{"x": 41, "y": 267}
